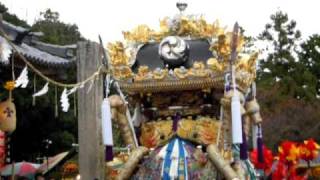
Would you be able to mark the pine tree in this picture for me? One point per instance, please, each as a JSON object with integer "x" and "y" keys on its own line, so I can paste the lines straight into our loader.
{"x": 281, "y": 66}
{"x": 310, "y": 58}
{"x": 55, "y": 31}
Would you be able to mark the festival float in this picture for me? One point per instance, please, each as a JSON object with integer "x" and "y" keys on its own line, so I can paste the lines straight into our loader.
{"x": 182, "y": 97}
{"x": 185, "y": 101}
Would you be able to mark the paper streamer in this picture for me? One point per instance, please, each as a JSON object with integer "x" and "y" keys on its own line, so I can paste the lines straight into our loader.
{"x": 5, "y": 51}
{"x": 43, "y": 91}
{"x": 23, "y": 80}
{"x": 74, "y": 89}
{"x": 64, "y": 101}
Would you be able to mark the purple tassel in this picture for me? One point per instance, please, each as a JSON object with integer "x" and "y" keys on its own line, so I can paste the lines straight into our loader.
{"x": 109, "y": 153}
{"x": 260, "y": 145}
{"x": 243, "y": 146}
{"x": 176, "y": 119}
{"x": 228, "y": 88}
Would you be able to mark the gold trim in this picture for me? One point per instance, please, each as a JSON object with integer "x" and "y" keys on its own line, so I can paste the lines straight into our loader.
{"x": 158, "y": 86}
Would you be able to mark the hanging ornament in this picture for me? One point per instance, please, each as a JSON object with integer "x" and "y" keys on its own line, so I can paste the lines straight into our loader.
{"x": 260, "y": 144}
{"x": 43, "y": 91}
{"x": 9, "y": 85}
{"x": 8, "y": 111}
{"x": 236, "y": 120}
{"x": 22, "y": 80}
{"x": 235, "y": 100}
{"x": 244, "y": 145}
{"x": 107, "y": 128}
{"x": 236, "y": 115}
{"x": 64, "y": 100}
{"x": 107, "y": 123}
{"x": 5, "y": 51}
{"x": 7, "y": 116}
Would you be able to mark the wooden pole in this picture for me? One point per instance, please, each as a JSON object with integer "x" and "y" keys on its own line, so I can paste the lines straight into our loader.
{"x": 91, "y": 149}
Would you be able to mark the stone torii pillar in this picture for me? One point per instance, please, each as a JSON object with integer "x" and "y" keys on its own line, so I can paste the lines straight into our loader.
{"x": 91, "y": 149}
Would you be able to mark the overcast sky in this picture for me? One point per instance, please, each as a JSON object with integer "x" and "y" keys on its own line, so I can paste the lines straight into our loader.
{"x": 110, "y": 17}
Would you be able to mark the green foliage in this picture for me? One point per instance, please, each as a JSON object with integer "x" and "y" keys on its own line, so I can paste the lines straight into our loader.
{"x": 36, "y": 123}
{"x": 310, "y": 58}
{"x": 56, "y": 32}
{"x": 11, "y": 18}
{"x": 287, "y": 93}
{"x": 282, "y": 63}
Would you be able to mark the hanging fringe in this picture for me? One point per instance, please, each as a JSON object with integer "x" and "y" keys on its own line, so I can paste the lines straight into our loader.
{"x": 236, "y": 112}
{"x": 236, "y": 119}
{"x": 244, "y": 145}
{"x": 107, "y": 128}
{"x": 109, "y": 153}
{"x": 260, "y": 144}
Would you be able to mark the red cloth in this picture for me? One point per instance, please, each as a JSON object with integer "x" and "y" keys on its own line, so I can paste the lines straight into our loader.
{"x": 268, "y": 159}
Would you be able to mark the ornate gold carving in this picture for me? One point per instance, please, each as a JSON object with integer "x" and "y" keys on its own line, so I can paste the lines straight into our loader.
{"x": 140, "y": 34}
{"x": 154, "y": 133}
{"x": 122, "y": 72}
{"x": 248, "y": 64}
{"x": 121, "y": 54}
{"x": 186, "y": 26}
{"x": 117, "y": 54}
{"x": 202, "y": 131}
{"x": 222, "y": 46}
{"x": 199, "y": 70}
{"x": 181, "y": 73}
{"x": 160, "y": 74}
{"x": 143, "y": 73}
{"x": 214, "y": 65}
